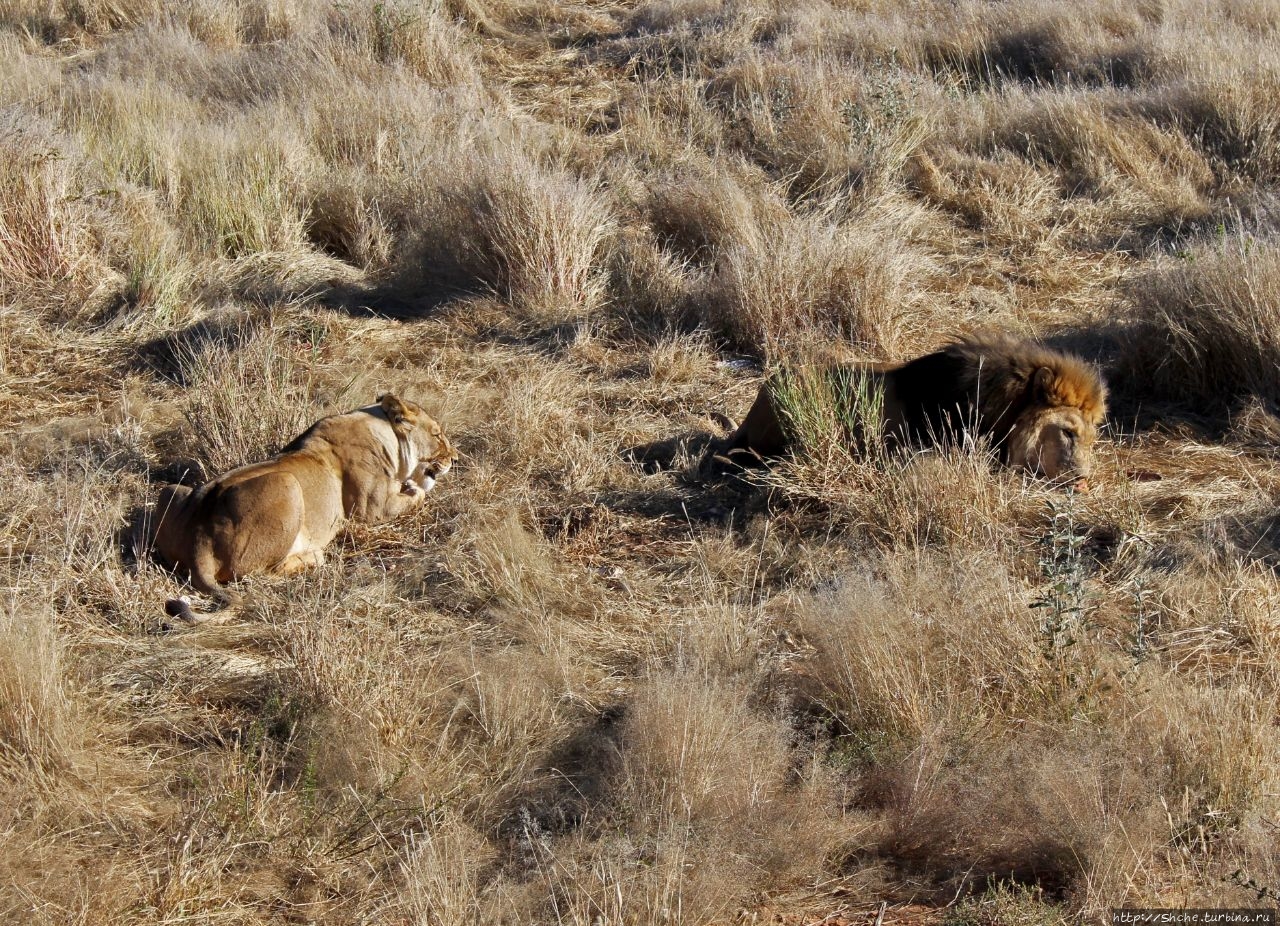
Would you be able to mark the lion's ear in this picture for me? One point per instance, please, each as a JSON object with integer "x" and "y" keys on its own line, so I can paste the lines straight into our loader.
{"x": 1042, "y": 384}
{"x": 402, "y": 418}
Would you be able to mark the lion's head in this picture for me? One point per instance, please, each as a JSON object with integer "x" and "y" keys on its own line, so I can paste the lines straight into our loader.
{"x": 426, "y": 453}
{"x": 1053, "y": 435}
{"x": 1042, "y": 407}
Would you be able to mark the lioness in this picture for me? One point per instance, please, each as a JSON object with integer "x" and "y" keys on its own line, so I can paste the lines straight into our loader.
{"x": 372, "y": 464}
{"x": 1039, "y": 408}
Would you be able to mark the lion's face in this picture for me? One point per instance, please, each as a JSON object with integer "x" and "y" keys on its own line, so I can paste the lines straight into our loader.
{"x": 1056, "y": 444}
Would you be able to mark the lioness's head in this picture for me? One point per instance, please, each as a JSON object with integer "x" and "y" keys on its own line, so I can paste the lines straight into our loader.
{"x": 426, "y": 453}
{"x": 1054, "y": 436}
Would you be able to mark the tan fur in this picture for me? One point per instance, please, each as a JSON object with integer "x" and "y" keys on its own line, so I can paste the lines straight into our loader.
{"x": 371, "y": 465}
{"x": 1039, "y": 407}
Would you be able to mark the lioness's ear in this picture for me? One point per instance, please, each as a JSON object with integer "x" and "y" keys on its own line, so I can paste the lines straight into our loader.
{"x": 401, "y": 417}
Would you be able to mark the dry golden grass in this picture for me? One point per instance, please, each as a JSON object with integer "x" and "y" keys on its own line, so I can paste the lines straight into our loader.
{"x": 1207, "y": 324}
{"x": 585, "y": 684}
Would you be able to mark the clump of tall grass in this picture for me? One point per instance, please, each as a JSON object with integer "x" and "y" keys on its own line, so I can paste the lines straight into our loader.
{"x": 427, "y": 40}
{"x": 808, "y": 280}
{"x": 899, "y": 655}
{"x": 1208, "y": 325}
{"x": 51, "y": 257}
{"x": 534, "y": 236}
{"x": 240, "y": 189}
{"x": 824, "y": 133}
{"x": 1139, "y": 174}
{"x": 39, "y": 719}
{"x": 935, "y": 667}
{"x": 831, "y": 410}
{"x": 66, "y": 20}
{"x": 704, "y": 792}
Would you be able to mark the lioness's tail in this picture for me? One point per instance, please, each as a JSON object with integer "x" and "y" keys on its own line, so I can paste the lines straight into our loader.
{"x": 204, "y": 576}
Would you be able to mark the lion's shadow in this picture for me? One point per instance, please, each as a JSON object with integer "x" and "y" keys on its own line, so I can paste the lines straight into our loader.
{"x": 680, "y": 487}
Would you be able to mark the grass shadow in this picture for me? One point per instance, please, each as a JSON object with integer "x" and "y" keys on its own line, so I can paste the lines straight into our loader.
{"x": 669, "y": 453}
{"x": 1118, "y": 349}
{"x": 399, "y": 295}
{"x": 1040, "y": 55}
{"x": 575, "y": 778}
{"x": 168, "y": 355}
{"x": 680, "y": 489}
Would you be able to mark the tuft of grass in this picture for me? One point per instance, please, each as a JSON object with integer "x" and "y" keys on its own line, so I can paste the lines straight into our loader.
{"x": 809, "y": 281}
{"x": 50, "y": 260}
{"x": 1098, "y": 150}
{"x": 1007, "y": 904}
{"x": 240, "y": 190}
{"x": 1206, "y": 325}
{"x": 250, "y": 396}
{"x": 427, "y": 40}
{"x": 40, "y": 724}
{"x": 1063, "y": 600}
{"x": 897, "y": 659}
{"x": 830, "y": 411}
{"x": 824, "y": 133}
{"x": 536, "y": 237}
{"x": 705, "y": 810}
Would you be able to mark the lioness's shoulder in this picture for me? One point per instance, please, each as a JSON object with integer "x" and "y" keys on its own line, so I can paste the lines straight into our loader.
{"x": 354, "y": 427}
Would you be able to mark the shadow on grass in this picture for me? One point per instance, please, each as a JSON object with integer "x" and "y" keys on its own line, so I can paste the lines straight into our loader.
{"x": 401, "y": 295}
{"x": 680, "y": 489}
{"x": 575, "y": 779}
{"x": 1124, "y": 350}
{"x": 169, "y": 355}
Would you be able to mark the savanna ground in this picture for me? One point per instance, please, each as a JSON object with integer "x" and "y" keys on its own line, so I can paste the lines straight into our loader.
{"x": 584, "y": 685}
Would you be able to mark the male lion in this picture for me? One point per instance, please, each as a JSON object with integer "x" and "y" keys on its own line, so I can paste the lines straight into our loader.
{"x": 1039, "y": 408}
{"x": 372, "y": 464}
